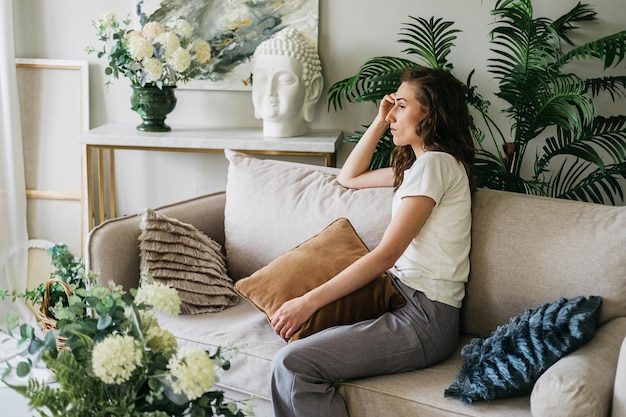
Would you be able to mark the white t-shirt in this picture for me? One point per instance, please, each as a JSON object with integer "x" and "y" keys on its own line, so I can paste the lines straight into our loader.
{"x": 437, "y": 260}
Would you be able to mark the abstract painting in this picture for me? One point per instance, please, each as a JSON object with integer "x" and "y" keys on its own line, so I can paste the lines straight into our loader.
{"x": 233, "y": 28}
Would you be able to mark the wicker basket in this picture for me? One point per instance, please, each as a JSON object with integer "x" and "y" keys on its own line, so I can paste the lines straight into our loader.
{"x": 47, "y": 321}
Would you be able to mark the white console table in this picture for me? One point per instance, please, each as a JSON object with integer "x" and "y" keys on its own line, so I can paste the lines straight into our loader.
{"x": 104, "y": 140}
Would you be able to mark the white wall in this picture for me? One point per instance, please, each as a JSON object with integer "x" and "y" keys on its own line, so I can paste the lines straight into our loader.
{"x": 351, "y": 31}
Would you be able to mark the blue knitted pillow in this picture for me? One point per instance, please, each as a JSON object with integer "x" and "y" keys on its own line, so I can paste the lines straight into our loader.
{"x": 511, "y": 359}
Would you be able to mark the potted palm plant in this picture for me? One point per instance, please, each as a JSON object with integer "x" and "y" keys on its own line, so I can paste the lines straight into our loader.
{"x": 583, "y": 154}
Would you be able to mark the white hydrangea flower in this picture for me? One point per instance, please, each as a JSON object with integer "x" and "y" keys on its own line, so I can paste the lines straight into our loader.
{"x": 160, "y": 297}
{"x": 169, "y": 41}
{"x": 192, "y": 372}
{"x": 152, "y": 29}
{"x": 180, "y": 60}
{"x": 115, "y": 358}
{"x": 139, "y": 47}
{"x": 156, "y": 338}
{"x": 183, "y": 28}
{"x": 131, "y": 35}
{"x": 202, "y": 50}
{"x": 153, "y": 68}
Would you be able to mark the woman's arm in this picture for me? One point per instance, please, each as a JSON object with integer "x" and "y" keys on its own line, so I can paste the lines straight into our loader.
{"x": 355, "y": 172}
{"x": 405, "y": 225}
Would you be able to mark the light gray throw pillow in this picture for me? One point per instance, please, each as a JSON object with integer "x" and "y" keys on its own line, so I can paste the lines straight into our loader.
{"x": 272, "y": 206}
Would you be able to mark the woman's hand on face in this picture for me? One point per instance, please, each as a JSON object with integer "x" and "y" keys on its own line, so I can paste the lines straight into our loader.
{"x": 290, "y": 316}
{"x": 386, "y": 104}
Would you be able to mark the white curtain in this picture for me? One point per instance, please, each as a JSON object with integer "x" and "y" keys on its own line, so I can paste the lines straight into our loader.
{"x": 13, "y": 232}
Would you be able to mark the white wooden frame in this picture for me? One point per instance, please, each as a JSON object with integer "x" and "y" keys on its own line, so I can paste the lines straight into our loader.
{"x": 40, "y": 78}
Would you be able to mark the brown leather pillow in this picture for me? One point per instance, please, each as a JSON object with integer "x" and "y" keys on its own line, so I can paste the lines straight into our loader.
{"x": 311, "y": 264}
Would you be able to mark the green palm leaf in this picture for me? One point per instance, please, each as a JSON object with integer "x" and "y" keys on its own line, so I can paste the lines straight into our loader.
{"x": 579, "y": 181}
{"x": 542, "y": 103}
{"x": 524, "y": 56}
{"x": 567, "y": 22}
{"x": 564, "y": 104}
{"x": 351, "y": 88}
{"x": 527, "y": 42}
{"x": 615, "y": 86}
{"x": 431, "y": 40}
{"x": 604, "y": 138}
{"x": 531, "y": 45}
{"x": 512, "y": 8}
{"x": 610, "y": 49}
{"x": 491, "y": 173}
{"x": 379, "y": 86}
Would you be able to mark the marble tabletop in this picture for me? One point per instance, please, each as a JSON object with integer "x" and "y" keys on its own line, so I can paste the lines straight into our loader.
{"x": 121, "y": 135}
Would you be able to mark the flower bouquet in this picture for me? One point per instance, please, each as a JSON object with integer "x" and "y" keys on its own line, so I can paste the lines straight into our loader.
{"x": 155, "y": 58}
{"x": 117, "y": 361}
{"x": 155, "y": 55}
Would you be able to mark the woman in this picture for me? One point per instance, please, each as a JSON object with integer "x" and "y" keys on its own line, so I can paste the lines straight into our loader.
{"x": 425, "y": 250}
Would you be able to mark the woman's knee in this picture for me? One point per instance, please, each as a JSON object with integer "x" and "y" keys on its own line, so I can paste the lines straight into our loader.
{"x": 295, "y": 358}
{"x": 279, "y": 360}
{"x": 286, "y": 359}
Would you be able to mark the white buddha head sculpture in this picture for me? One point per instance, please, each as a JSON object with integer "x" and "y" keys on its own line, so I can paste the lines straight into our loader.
{"x": 287, "y": 82}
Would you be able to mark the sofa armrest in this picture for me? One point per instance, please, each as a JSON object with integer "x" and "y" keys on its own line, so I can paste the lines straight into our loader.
{"x": 581, "y": 384}
{"x": 112, "y": 250}
{"x": 619, "y": 391}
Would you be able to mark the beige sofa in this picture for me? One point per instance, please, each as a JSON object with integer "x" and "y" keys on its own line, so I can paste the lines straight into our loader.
{"x": 525, "y": 251}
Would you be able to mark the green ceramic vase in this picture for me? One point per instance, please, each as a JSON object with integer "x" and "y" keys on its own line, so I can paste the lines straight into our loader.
{"x": 153, "y": 105}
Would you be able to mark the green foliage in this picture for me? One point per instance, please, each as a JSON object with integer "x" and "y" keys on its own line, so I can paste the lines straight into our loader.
{"x": 375, "y": 78}
{"x": 583, "y": 155}
{"x": 69, "y": 268}
{"x": 382, "y": 156}
{"x": 91, "y": 317}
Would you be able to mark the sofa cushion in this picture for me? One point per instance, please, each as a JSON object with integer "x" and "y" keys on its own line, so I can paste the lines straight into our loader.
{"x": 509, "y": 361}
{"x": 539, "y": 249}
{"x": 248, "y": 340}
{"x": 419, "y": 393}
{"x": 311, "y": 264}
{"x": 180, "y": 256}
{"x": 243, "y": 335}
{"x": 580, "y": 384}
{"x": 272, "y": 206}
{"x": 619, "y": 390}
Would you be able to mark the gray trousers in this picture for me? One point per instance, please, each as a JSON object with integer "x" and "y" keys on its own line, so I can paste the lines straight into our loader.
{"x": 304, "y": 372}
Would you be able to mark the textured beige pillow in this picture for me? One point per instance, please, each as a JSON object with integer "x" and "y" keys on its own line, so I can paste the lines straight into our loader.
{"x": 580, "y": 384}
{"x": 272, "y": 206}
{"x": 179, "y": 255}
{"x": 311, "y": 264}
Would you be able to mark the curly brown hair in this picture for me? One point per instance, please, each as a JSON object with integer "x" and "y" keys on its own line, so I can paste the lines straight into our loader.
{"x": 446, "y": 126}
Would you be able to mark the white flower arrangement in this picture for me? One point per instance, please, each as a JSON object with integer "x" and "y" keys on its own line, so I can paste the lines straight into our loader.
{"x": 156, "y": 54}
{"x": 117, "y": 361}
